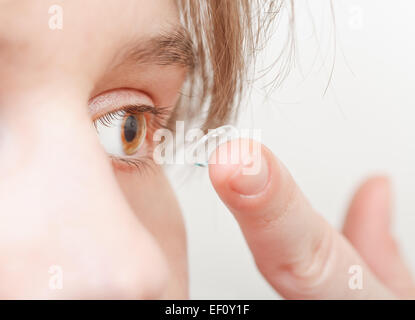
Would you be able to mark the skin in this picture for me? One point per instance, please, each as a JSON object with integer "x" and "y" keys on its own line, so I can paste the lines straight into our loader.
{"x": 117, "y": 232}
{"x": 62, "y": 201}
{"x": 296, "y": 250}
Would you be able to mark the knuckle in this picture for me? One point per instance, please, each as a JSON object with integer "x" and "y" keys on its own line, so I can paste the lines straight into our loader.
{"x": 313, "y": 270}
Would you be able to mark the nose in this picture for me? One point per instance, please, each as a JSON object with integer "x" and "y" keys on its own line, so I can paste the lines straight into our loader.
{"x": 66, "y": 230}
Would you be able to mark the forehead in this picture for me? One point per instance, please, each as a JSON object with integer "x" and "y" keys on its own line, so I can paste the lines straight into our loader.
{"x": 92, "y": 31}
{"x": 89, "y": 15}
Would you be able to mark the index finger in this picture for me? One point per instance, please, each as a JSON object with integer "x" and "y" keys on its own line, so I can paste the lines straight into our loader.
{"x": 295, "y": 249}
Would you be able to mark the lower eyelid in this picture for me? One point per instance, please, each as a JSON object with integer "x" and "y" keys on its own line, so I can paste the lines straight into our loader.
{"x": 141, "y": 161}
{"x": 132, "y": 165}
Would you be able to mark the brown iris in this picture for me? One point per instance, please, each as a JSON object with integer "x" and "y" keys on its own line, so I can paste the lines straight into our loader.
{"x": 133, "y": 132}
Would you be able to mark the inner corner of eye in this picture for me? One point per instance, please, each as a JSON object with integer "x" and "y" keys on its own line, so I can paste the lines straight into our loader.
{"x": 122, "y": 136}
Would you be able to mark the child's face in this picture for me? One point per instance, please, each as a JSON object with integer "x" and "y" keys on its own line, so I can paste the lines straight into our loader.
{"x": 113, "y": 230}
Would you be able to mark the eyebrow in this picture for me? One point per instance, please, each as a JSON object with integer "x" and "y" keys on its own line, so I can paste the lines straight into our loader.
{"x": 174, "y": 47}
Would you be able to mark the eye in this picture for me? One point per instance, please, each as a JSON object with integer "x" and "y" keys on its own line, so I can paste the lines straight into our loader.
{"x": 125, "y": 120}
{"x": 133, "y": 132}
{"x": 121, "y": 133}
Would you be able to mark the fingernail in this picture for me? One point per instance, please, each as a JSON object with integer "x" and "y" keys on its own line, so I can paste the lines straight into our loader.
{"x": 251, "y": 177}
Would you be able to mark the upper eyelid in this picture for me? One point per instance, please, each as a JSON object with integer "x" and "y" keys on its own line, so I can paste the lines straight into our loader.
{"x": 108, "y": 117}
{"x": 136, "y": 108}
{"x": 139, "y": 108}
{"x": 122, "y": 99}
{"x": 116, "y": 99}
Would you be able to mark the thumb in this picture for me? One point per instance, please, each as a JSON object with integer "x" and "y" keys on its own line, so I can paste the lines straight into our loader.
{"x": 367, "y": 226}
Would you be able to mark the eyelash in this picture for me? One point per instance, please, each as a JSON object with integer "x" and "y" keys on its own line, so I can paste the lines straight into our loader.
{"x": 159, "y": 120}
{"x": 133, "y": 164}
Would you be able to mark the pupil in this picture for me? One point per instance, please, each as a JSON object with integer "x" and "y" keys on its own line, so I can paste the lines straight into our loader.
{"x": 130, "y": 128}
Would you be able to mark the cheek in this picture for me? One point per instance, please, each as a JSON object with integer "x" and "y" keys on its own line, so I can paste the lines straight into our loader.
{"x": 154, "y": 203}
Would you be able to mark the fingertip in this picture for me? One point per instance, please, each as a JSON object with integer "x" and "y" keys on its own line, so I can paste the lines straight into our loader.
{"x": 374, "y": 194}
{"x": 370, "y": 209}
{"x": 380, "y": 183}
{"x": 220, "y": 171}
{"x": 241, "y": 165}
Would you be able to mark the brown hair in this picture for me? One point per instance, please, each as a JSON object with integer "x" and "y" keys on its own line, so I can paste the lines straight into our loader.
{"x": 226, "y": 35}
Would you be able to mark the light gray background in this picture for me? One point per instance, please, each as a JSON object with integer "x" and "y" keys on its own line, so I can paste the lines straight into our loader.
{"x": 363, "y": 125}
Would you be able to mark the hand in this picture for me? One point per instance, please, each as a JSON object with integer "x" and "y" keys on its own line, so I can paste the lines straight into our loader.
{"x": 296, "y": 250}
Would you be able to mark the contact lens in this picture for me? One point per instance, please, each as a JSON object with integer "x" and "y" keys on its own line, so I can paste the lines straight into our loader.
{"x": 204, "y": 147}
